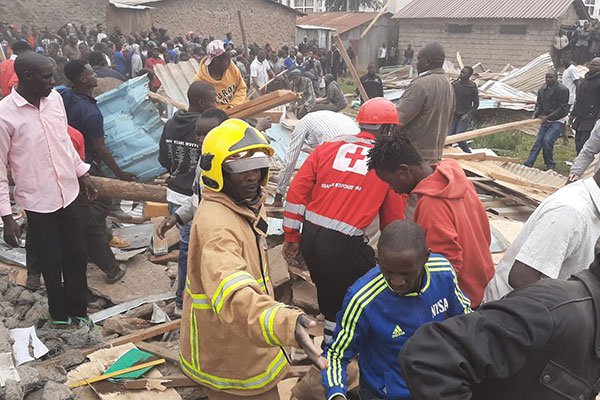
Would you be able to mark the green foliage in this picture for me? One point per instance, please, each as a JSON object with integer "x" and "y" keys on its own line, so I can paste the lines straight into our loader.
{"x": 518, "y": 144}
{"x": 351, "y": 5}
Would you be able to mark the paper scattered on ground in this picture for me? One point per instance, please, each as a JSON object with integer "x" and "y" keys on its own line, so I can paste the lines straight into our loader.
{"x": 7, "y": 369}
{"x": 26, "y": 345}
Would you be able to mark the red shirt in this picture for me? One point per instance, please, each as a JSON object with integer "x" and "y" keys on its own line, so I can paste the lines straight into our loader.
{"x": 78, "y": 141}
{"x": 335, "y": 189}
{"x": 8, "y": 77}
{"x": 456, "y": 226}
{"x": 150, "y": 63}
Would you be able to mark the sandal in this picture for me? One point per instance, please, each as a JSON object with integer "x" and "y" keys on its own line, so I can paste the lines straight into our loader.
{"x": 84, "y": 321}
{"x": 61, "y": 325}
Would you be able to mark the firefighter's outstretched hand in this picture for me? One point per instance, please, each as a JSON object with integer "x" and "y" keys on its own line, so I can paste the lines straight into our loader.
{"x": 303, "y": 323}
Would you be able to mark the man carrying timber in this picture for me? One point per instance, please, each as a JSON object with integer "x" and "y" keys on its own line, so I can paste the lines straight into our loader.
{"x": 232, "y": 330}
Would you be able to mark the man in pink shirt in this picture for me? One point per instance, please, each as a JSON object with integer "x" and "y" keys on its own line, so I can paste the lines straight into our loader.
{"x": 48, "y": 175}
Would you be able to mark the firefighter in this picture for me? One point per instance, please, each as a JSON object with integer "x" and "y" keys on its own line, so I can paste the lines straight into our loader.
{"x": 232, "y": 330}
{"x": 335, "y": 197}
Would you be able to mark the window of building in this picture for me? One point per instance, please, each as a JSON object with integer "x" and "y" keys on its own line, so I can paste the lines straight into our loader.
{"x": 456, "y": 28}
{"x": 513, "y": 29}
{"x": 593, "y": 7}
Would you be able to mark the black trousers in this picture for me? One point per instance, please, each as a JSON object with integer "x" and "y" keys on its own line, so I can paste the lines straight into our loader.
{"x": 97, "y": 236}
{"x": 93, "y": 215}
{"x": 57, "y": 246}
{"x": 580, "y": 138}
{"x": 335, "y": 261}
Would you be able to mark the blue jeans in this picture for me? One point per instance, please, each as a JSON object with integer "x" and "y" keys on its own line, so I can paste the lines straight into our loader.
{"x": 184, "y": 232}
{"x": 548, "y": 134}
{"x": 459, "y": 125}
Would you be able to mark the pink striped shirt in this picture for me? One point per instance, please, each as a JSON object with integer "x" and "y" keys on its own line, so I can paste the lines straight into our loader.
{"x": 35, "y": 144}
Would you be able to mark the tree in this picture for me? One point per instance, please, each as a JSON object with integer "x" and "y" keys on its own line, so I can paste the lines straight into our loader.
{"x": 351, "y": 5}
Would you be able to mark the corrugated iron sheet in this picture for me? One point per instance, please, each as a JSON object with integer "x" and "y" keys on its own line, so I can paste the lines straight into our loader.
{"x": 530, "y": 77}
{"x": 177, "y": 78}
{"x": 501, "y": 9}
{"x": 132, "y": 128}
{"x": 340, "y": 21}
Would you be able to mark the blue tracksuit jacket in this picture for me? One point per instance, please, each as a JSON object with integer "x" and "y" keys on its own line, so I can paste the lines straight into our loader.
{"x": 376, "y": 322}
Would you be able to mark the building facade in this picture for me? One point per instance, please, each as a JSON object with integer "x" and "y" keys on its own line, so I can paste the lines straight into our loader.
{"x": 593, "y": 7}
{"x": 305, "y": 6}
{"x": 494, "y": 33}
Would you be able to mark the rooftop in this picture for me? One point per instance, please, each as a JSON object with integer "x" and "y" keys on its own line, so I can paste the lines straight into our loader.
{"x": 340, "y": 21}
{"x": 493, "y": 9}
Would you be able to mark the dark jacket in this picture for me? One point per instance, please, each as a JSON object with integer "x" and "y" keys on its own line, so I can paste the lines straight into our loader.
{"x": 179, "y": 151}
{"x": 587, "y": 104}
{"x": 538, "y": 343}
{"x": 552, "y": 101}
{"x": 373, "y": 86}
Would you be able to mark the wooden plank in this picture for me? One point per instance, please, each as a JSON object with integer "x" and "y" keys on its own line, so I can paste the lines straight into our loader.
{"x": 257, "y": 101}
{"x": 350, "y": 67}
{"x": 264, "y": 106}
{"x": 243, "y": 29}
{"x": 116, "y": 189}
{"x": 497, "y": 191}
{"x": 172, "y": 381}
{"x": 272, "y": 79}
{"x": 374, "y": 21}
{"x": 479, "y": 157}
{"x": 138, "y": 336}
{"x": 522, "y": 182}
{"x": 168, "y": 100}
{"x": 490, "y": 130}
{"x": 159, "y": 351}
{"x": 459, "y": 59}
{"x": 115, "y": 373}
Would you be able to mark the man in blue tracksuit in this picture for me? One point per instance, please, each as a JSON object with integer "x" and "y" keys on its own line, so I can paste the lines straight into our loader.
{"x": 382, "y": 309}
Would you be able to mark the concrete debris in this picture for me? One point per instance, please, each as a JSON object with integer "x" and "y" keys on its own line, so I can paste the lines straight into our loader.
{"x": 123, "y": 325}
{"x": 56, "y": 391}
{"x": 278, "y": 267}
{"x": 305, "y": 296}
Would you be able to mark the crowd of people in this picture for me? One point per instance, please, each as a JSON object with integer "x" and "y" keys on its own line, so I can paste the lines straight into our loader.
{"x": 423, "y": 307}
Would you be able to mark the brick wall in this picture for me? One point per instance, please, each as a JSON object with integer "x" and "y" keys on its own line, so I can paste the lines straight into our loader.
{"x": 485, "y": 44}
{"x": 264, "y": 21}
{"x": 53, "y": 13}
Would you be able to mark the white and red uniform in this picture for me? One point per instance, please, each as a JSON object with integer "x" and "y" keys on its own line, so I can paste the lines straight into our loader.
{"x": 335, "y": 189}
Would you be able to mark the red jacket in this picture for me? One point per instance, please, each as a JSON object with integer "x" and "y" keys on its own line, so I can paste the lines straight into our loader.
{"x": 456, "y": 226}
{"x": 8, "y": 77}
{"x": 78, "y": 141}
{"x": 335, "y": 189}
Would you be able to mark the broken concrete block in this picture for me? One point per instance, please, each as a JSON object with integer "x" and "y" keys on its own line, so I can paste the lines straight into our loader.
{"x": 12, "y": 391}
{"x": 56, "y": 391}
{"x": 278, "y": 267}
{"x": 305, "y": 296}
{"x": 124, "y": 325}
{"x": 31, "y": 379}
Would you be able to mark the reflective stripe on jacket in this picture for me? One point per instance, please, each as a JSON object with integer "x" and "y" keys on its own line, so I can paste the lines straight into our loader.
{"x": 231, "y": 326}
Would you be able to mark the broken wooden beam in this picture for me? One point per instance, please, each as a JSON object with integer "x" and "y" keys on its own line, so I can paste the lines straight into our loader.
{"x": 137, "y": 336}
{"x": 262, "y": 104}
{"x": 350, "y": 66}
{"x": 159, "y": 351}
{"x": 479, "y": 157}
{"x": 168, "y": 100}
{"x": 490, "y": 130}
{"x": 116, "y": 189}
{"x": 171, "y": 381}
{"x": 374, "y": 21}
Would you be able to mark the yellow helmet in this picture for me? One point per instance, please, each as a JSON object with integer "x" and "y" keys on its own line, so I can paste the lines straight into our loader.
{"x": 233, "y": 146}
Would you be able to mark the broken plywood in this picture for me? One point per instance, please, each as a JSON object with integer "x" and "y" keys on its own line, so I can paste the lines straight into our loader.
{"x": 142, "y": 279}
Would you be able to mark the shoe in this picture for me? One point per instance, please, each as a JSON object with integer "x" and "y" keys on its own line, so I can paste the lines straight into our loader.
{"x": 118, "y": 243}
{"x": 34, "y": 281}
{"x": 116, "y": 276}
{"x": 178, "y": 311}
{"x": 83, "y": 322}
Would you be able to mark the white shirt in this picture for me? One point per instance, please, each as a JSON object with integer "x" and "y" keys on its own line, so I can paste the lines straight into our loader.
{"x": 259, "y": 70}
{"x": 313, "y": 129}
{"x": 569, "y": 77}
{"x": 381, "y": 52}
{"x": 558, "y": 238}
